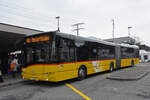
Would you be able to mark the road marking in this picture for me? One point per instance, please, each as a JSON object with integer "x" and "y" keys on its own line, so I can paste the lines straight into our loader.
{"x": 77, "y": 91}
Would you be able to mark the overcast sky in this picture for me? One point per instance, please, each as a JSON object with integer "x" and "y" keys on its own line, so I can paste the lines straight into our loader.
{"x": 96, "y": 14}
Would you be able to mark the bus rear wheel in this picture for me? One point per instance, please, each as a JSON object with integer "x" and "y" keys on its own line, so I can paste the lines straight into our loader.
{"x": 81, "y": 73}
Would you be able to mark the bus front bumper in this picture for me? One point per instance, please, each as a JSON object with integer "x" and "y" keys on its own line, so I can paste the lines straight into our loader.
{"x": 39, "y": 77}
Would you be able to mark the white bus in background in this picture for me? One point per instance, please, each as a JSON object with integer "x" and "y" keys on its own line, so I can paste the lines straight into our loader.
{"x": 144, "y": 56}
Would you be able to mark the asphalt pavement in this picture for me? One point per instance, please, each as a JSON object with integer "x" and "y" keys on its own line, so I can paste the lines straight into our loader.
{"x": 95, "y": 87}
{"x": 131, "y": 73}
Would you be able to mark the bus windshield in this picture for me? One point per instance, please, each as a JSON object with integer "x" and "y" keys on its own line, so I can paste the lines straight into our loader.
{"x": 38, "y": 53}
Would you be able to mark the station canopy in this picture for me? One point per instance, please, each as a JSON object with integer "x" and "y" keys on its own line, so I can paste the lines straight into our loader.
{"x": 11, "y": 34}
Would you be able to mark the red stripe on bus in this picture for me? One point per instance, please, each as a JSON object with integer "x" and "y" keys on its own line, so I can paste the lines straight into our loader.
{"x": 68, "y": 62}
{"x": 71, "y": 62}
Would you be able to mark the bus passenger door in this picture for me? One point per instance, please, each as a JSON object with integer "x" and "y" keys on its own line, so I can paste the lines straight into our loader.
{"x": 34, "y": 59}
{"x": 66, "y": 59}
{"x": 41, "y": 57}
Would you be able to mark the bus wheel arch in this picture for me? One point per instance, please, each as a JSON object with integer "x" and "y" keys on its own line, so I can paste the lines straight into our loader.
{"x": 82, "y": 72}
{"x": 111, "y": 66}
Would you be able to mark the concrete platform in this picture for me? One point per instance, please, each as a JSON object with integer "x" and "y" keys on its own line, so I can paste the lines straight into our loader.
{"x": 8, "y": 80}
{"x": 131, "y": 73}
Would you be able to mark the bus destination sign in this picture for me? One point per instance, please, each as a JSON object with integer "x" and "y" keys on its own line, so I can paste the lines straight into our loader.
{"x": 37, "y": 39}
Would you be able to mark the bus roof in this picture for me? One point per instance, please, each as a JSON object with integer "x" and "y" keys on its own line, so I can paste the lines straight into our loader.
{"x": 80, "y": 38}
{"x": 94, "y": 40}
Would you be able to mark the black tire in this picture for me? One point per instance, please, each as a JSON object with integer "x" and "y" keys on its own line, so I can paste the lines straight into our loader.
{"x": 81, "y": 73}
{"x": 132, "y": 63}
{"x": 111, "y": 67}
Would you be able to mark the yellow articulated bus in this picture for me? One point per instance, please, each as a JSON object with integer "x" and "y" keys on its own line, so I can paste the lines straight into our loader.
{"x": 55, "y": 56}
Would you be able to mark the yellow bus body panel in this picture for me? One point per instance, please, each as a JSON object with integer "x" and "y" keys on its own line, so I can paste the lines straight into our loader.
{"x": 69, "y": 70}
{"x": 64, "y": 71}
{"x": 128, "y": 62}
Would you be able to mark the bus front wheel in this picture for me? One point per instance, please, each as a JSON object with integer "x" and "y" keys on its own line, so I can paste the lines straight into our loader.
{"x": 81, "y": 73}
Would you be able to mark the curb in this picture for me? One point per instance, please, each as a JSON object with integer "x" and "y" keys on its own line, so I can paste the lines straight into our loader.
{"x": 129, "y": 79}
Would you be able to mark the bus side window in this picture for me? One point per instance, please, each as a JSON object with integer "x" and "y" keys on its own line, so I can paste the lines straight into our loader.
{"x": 63, "y": 51}
{"x": 93, "y": 53}
{"x": 130, "y": 52}
{"x": 136, "y": 53}
{"x": 112, "y": 52}
{"x": 123, "y": 53}
{"x": 82, "y": 52}
{"x": 71, "y": 50}
{"x": 99, "y": 53}
{"x": 61, "y": 43}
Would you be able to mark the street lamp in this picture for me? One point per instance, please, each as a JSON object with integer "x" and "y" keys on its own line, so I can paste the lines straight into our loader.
{"x": 113, "y": 31}
{"x": 129, "y": 31}
{"x": 58, "y": 23}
